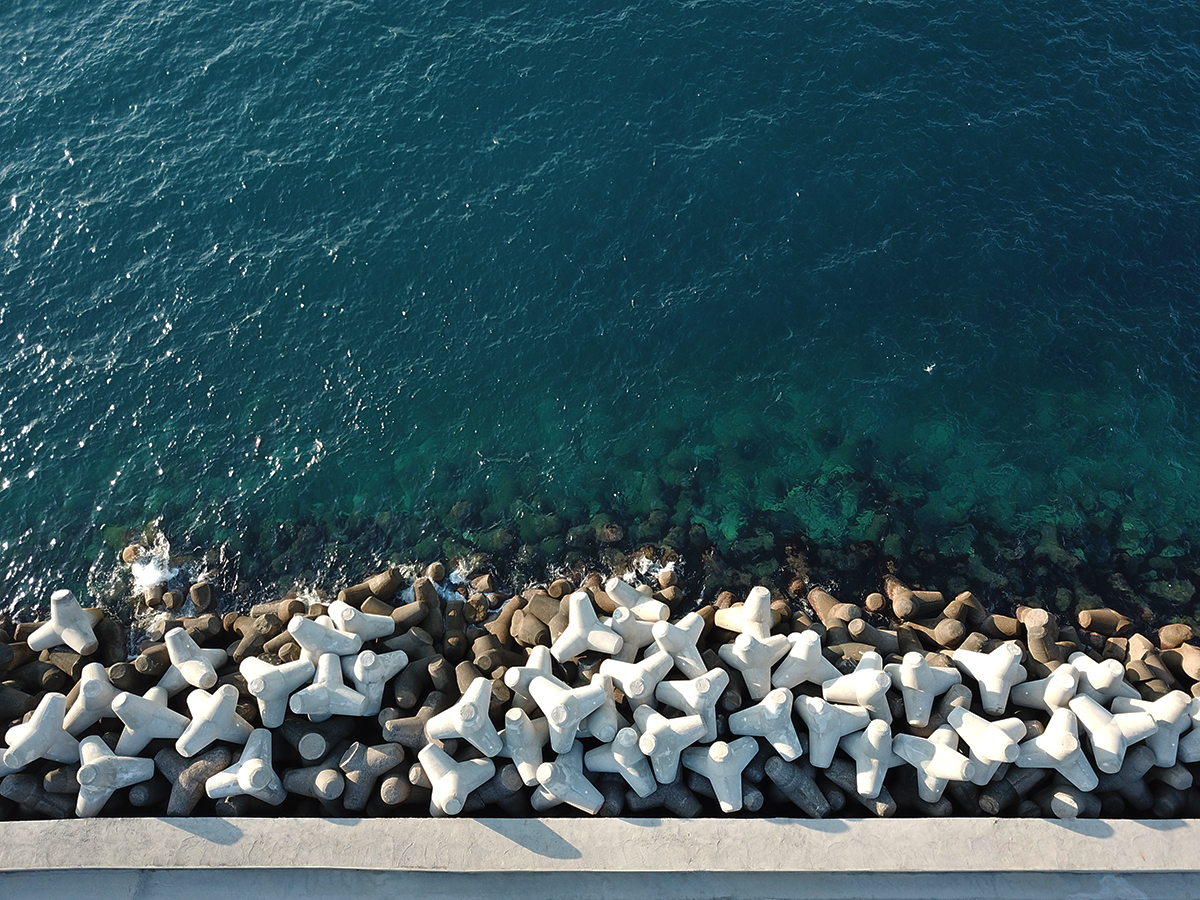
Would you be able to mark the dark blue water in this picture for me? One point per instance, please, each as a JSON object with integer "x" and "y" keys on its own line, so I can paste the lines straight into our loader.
{"x": 292, "y": 278}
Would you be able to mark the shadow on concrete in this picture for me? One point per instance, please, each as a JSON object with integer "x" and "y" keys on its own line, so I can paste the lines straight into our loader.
{"x": 213, "y": 830}
{"x": 534, "y": 836}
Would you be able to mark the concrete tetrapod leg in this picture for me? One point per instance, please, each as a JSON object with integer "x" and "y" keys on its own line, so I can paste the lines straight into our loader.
{"x": 145, "y": 719}
{"x": 518, "y": 678}
{"x": 996, "y": 673}
{"x": 936, "y": 760}
{"x": 866, "y": 686}
{"x": 319, "y": 636}
{"x": 753, "y": 657}
{"x": 635, "y": 633}
{"x": 674, "y": 797}
{"x": 992, "y": 744}
{"x": 770, "y": 718}
{"x": 102, "y": 772}
{"x": 804, "y": 663}
{"x": 722, "y": 764}
{"x": 68, "y": 624}
{"x": 468, "y": 719}
{"x": 42, "y": 737}
{"x": 328, "y": 695}
{"x": 252, "y": 775}
{"x": 565, "y": 707}
{"x": 323, "y": 782}
{"x": 624, "y": 757}
{"x": 272, "y": 685}
{"x": 871, "y": 750}
{"x": 452, "y": 781}
{"x": 1111, "y": 734}
{"x": 1058, "y": 748}
{"x": 1171, "y": 713}
{"x": 1189, "y": 743}
{"x": 363, "y": 766}
{"x": 849, "y": 777}
{"x": 366, "y": 626}
{"x": 663, "y": 740}
{"x": 188, "y": 776}
{"x": 94, "y": 701}
{"x": 1050, "y": 693}
{"x": 920, "y": 684}
{"x": 638, "y": 680}
{"x": 524, "y": 739}
{"x": 696, "y": 697}
{"x": 827, "y": 723}
{"x": 584, "y": 631}
{"x": 1102, "y": 680}
{"x": 604, "y": 721}
{"x": 187, "y": 657}
{"x": 370, "y": 672}
{"x": 409, "y": 731}
{"x": 645, "y": 608}
{"x": 679, "y": 640}
{"x": 563, "y": 781}
{"x": 27, "y": 790}
{"x": 214, "y": 718}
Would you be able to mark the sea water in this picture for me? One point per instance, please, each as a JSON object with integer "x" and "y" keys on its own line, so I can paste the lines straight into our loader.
{"x": 306, "y": 287}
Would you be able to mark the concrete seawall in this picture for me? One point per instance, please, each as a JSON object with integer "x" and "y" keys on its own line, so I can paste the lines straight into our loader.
{"x": 576, "y": 857}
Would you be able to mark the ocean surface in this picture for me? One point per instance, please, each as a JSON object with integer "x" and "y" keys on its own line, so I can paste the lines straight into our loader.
{"x": 311, "y": 286}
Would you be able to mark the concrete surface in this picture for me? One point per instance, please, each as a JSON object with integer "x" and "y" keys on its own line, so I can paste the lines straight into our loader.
{"x": 612, "y": 858}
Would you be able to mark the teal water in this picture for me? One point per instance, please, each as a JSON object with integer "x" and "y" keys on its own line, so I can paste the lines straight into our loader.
{"x": 293, "y": 280}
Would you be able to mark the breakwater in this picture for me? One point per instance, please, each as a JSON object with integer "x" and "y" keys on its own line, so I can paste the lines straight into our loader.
{"x": 627, "y": 693}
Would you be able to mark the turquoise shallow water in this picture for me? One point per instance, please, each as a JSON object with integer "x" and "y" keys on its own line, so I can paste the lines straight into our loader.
{"x": 292, "y": 277}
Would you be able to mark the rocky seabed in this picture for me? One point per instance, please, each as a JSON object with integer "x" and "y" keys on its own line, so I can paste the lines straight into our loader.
{"x": 454, "y": 698}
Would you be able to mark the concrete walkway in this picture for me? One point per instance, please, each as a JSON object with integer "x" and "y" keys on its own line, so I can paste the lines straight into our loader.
{"x": 612, "y": 858}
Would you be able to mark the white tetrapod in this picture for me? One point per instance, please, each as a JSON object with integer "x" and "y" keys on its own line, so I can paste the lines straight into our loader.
{"x": 604, "y": 721}
{"x": 584, "y": 631}
{"x": 827, "y": 723}
{"x": 524, "y": 739}
{"x": 452, "y": 781}
{"x": 635, "y": 633}
{"x": 1050, "y": 693}
{"x": 754, "y": 657}
{"x": 94, "y": 700}
{"x": 804, "y": 663}
{"x": 173, "y": 680}
{"x": 186, "y": 656}
{"x": 563, "y": 781}
{"x": 272, "y": 685}
{"x": 214, "y": 718}
{"x": 68, "y": 625}
{"x": 866, "y": 686}
{"x": 871, "y": 750}
{"x": 468, "y": 719}
{"x": 1189, "y": 743}
{"x": 624, "y": 757}
{"x": 770, "y": 718}
{"x": 996, "y": 673}
{"x": 42, "y": 737}
{"x": 1058, "y": 748}
{"x": 1111, "y": 734}
{"x": 319, "y": 636}
{"x": 645, "y": 608}
{"x": 920, "y": 684}
{"x": 991, "y": 743}
{"x": 328, "y": 695}
{"x": 663, "y": 739}
{"x": 253, "y": 774}
{"x": 638, "y": 680}
{"x": 102, "y": 772}
{"x": 1170, "y": 711}
{"x": 696, "y": 697}
{"x": 679, "y": 639}
{"x": 1102, "y": 680}
{"x": 370, "y": 672}
{"x": 146, "y": 718}
{"x": 565, "y": 708}
{"x": 367, "y": 626}
{"x": 936, "y": 760}
{"x": 722, "y": 764}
